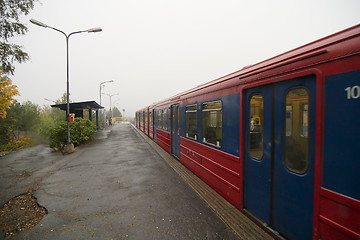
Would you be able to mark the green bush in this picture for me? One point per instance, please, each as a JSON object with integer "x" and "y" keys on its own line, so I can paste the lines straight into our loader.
{"x": 58, "y": 135}
{"x": 81, "y": 130}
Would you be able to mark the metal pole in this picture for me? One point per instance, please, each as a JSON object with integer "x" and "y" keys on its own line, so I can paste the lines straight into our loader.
{"x": 104, "y": 117}
{"x": 67, "y": 90}
{"x": 110, "y": 107}
{"x": 103, "y": 83}
{"x": 97, "y": 119}
{"x": 100, "y": 100}
{"x": 97, "y": 112}
{"x": 100, "y": 94}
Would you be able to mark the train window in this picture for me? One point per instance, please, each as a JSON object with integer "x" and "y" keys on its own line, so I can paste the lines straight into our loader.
{"x": 150, "y": 118}
{"x": 296, "y": 147}
{"x": 141, "y": 118}
{"x": 256, "y": 131}
{"x": 165, "y": 126}
{"x": 212, "y": 123}
{"x": 178, "y": 116}
{"x": 191, "y": 121}
{"x": 304, "y": 124}
{"x": 159, "y": 119}
{"x": 288, "y": 120}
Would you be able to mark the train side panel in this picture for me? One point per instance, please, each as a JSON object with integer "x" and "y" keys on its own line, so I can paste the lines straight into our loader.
{"x": 163, "y": 135}
{"x": 340, "y": 192}
{"x": 163, "y": 138}
{"x": 218, "y": 169}
{"x": 211, "y": 150}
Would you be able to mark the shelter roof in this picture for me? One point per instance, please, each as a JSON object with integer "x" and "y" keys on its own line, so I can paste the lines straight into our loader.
{"x": 78, "y": 105}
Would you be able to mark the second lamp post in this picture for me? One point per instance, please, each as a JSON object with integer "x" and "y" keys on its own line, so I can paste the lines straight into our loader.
{"x": 69, "y": 147}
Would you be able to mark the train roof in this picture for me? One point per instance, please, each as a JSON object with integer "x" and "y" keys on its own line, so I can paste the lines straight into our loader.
{"x": 307, "y": 51}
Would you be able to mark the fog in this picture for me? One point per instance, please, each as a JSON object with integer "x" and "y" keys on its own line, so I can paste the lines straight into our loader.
{"x": 155, "y": 49}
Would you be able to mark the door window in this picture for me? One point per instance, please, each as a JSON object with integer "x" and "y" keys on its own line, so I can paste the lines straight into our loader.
{"x": 296, "y": 135}
{"x": 304, "y": 120}
{"x": 288, "y": 119}
{"x": 256, "y": 123}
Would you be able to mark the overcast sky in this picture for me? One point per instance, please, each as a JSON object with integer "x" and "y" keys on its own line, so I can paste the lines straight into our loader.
{"x": 153, "y": 49}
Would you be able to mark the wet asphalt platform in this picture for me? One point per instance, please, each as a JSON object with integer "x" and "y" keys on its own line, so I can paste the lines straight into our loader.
{"x": 119, "y": 187}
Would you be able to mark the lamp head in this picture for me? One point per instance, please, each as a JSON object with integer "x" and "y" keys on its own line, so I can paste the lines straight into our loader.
{"x": 97, "y": 29}
{"x": 36, "y": 22}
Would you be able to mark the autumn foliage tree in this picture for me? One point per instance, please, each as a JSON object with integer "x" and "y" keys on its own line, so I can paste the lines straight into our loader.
{"x": 7, "y": 93}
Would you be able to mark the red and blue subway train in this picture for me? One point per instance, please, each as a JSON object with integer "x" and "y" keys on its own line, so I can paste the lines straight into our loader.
{"x": 280, "y": 139}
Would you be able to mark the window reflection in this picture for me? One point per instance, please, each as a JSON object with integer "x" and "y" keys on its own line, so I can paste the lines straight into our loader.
{"x": 288, "y": 120}
{"x": 191, "y": 121}
{"x": 297, "y": 143}
{"x": 146, "y": 118}
{"x": 256, "y": 130}
{"x": 150, "y": 119}
{"x": 304, "y": 118}
{"x": 165, "y": 121}
{"x": 159, "y": 119}
{"x": 212, "y": 123}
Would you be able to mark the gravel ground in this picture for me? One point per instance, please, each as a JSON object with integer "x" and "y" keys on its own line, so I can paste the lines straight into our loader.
{"x": 20, "y": 213}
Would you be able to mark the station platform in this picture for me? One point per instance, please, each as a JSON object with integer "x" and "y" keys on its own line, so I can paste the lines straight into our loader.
{"x": 120, "y": 186}
{"x": 242, "y": 226}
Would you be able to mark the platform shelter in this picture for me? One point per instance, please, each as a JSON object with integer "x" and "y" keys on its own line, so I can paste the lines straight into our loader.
{"x": 77, "y": 108}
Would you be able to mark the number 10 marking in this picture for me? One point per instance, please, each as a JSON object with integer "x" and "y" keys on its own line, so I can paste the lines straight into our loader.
{"x": 353, "y": 92}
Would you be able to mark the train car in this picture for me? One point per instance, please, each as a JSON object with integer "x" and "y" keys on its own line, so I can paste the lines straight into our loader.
{"x": 142, "y": 119}
{"x": 163, "y": 125}
{"x": 279, "y": 139}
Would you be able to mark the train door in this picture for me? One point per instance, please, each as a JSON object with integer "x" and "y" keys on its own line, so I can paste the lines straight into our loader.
{"x": 151, "y": 123}
{"x": 279, "y": 156}
{"x": 152, "y": 114}
{"x": 175, "y": 130}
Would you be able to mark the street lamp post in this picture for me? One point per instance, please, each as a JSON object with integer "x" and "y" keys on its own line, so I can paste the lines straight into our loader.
{"x": 110, "y": 99}
{"x": 69, "y": 148}
{"x": 102, "y": 84}
{"x": 117, "y": 100}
